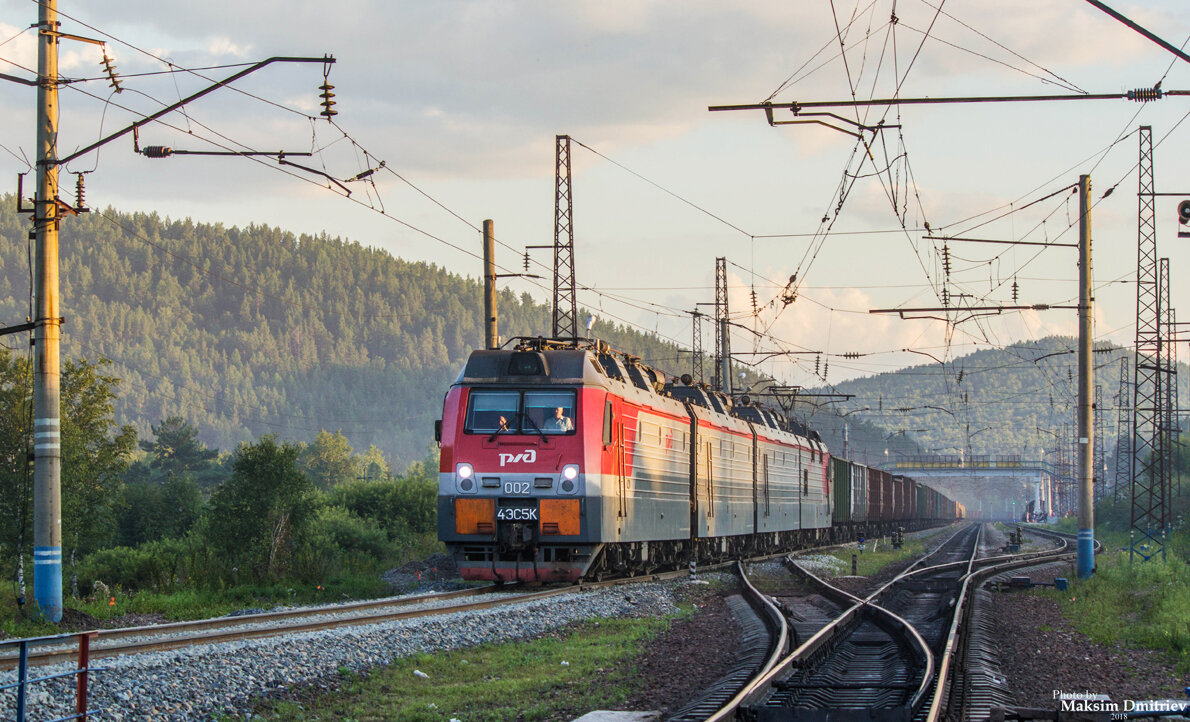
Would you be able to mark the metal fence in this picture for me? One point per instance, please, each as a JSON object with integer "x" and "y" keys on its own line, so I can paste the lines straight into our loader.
{"x": 81, "y": 674}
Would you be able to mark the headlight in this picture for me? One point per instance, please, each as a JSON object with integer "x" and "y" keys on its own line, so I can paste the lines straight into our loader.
{"x": 570, "y": 472}
{"x": 465, "y": 478}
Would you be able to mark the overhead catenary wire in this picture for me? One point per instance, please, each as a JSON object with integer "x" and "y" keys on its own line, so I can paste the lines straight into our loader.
{"x": 653, "y": 306}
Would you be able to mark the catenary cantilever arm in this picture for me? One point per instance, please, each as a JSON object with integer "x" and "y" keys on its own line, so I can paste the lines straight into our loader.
{"x": 169, "y": 109}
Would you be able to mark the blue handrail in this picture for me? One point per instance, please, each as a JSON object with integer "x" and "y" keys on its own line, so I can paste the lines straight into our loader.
{"x": 81, "y": 674}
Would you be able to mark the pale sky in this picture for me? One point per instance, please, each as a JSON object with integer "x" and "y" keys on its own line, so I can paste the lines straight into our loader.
{"x": 463, "y": 100}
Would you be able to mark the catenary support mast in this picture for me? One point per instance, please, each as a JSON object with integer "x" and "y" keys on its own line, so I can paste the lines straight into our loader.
{"x": 1149, "y": 514}
{"x": 565, "y": 304}
{"x": 1086, "y": 413}
{"x": 47, "y": 440}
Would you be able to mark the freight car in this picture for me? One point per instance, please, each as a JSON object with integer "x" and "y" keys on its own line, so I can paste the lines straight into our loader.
{"x": 565, "y": 459}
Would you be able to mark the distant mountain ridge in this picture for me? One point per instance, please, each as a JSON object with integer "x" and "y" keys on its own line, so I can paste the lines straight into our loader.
{"x": 1019, "y": 399}
{"x": 246, "y": 331}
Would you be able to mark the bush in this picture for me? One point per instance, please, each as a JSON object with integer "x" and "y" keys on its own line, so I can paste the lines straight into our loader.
{"x": 403, "y": 507}
{"x": 339, "y": 542}
{"x": 160, "y": 565}
{"x": 259, "y": 517}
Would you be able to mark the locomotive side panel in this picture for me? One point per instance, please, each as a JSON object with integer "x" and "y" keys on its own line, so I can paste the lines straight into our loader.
{"x": 646, "y": 480}
{"x": 816, "y": 496}
{"x": 778, "y": 489}
{"x": 724, "y": 490}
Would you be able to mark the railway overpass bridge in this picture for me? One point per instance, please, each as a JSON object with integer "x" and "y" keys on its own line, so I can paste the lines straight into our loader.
{"x": 993, "y": 486}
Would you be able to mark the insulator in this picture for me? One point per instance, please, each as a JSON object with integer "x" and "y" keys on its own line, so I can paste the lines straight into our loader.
{"x": 526, "y": 261}
{"x": 946, "y": 259}
{"x": 817, "y": 361}
{"x": 1016, "y": 292}
{"x": 80, "y": 192}
{"x": 326, "y": 95}
{"x": 1144, "y": 95}
{"x": 826, "y": 369}
{"x": 157, "y": 151}
{"x": 110, "y": 69}
{"x": 754, "y": 311}
{"x": 945, "y": 297}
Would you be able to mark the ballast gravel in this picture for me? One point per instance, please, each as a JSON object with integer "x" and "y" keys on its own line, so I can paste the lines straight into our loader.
{"x": 211, "y": 680}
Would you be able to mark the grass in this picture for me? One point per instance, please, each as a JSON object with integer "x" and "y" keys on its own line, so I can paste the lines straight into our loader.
{"x": 1127, "y": 601}
{"x": 202, "y": 603}
{"x": 190, "y": 603}
{"x": 869, "y": 562}
{"x": 558, "y": 677}
{"x": 1138, "y": 604}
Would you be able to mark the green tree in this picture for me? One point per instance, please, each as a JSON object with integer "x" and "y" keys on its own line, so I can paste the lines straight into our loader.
{"x": 153, "y": 511}
{"x": 374, "y": 466}
{"x": 95, "y": 453}
{"x": 176, "y": 449}
{"x": 330, "y": 460}
{"x": 257, "y": 517}
{"x": 16, "y": 471}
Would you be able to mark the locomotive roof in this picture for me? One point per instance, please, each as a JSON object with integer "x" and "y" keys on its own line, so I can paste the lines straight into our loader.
{"x": 563, "y": 366}
{"x": 540, "y": 361}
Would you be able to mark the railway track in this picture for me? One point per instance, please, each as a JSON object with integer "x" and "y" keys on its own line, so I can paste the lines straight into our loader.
{"x": 887, "y": 656}
{"x": 776, "y": 622}
{"x": 176, "y": 635}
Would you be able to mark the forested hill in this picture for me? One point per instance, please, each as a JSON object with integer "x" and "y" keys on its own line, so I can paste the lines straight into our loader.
{"x": 1010, "y": 400}
{"x": 246, "y": 331}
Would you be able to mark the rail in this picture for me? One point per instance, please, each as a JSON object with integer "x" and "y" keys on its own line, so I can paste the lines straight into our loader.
{"x": 988, "y": 567}
{"x": 777, "y": 622}
{"x": 817, "y": 648}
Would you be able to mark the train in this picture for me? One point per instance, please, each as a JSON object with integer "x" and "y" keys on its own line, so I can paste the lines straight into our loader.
{"x": 563, "y": 460}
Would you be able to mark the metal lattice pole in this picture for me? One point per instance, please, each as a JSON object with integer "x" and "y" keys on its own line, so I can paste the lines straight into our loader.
{"x": 696, "y": 348}
{"x": 565, "y": 304}
{"x": 1175, "y": 481}
{"x": 1148, "y": 514}
{"x": 1123, "y": 479}
{"x": 722, "y": 340}
{"x": 1169, "y": 381}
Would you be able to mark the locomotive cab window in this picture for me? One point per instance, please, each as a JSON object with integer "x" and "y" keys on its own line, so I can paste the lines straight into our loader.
{"x": 520, "y": 412}
{"x": 489, "y": 411}
{"x": 550, "y": 411}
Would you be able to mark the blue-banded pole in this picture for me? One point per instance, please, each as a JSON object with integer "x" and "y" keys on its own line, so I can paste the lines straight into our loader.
{"x": 1086, "y": 418}
{"x": 47, "y": 438}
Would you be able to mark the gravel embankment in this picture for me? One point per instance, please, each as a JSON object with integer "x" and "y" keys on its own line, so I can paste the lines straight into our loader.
{"x": 1041, "y": 652}
{"x": 204, "y": 681}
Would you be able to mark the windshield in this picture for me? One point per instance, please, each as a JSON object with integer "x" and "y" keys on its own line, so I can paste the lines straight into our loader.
{"x": 550, "y": 411}
{"x": 492, "y": 411}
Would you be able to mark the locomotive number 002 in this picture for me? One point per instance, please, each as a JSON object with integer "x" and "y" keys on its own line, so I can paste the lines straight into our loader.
{"x": 517, "y": 487}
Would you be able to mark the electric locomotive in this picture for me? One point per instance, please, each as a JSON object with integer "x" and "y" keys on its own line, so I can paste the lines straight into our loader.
{"x": 565, "y": 459}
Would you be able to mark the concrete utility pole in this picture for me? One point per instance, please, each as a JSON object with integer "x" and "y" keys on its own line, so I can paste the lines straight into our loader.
{"x": 47, "y": 440}
{"x": 46, "y": 323}
{"x": 491, "y": 335}
{"x": 1086, "y": 420}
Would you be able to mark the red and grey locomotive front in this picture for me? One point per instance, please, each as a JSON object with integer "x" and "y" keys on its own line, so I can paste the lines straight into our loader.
{"x": 517, "y": 460}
